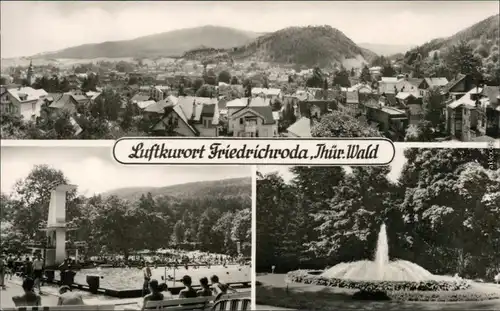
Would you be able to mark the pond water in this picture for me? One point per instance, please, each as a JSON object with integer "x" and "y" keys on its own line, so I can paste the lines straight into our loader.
{"x": 132, "y": 278}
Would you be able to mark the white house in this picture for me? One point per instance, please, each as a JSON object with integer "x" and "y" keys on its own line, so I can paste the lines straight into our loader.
{"x": 271, "y": 94}
{"x": 24, "y": 101}
{"x": 251, "y": 117}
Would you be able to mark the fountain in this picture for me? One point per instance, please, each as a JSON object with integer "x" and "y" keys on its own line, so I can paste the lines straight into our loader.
{"x": 384, "y": 279}
{"x": 381, "y": 268}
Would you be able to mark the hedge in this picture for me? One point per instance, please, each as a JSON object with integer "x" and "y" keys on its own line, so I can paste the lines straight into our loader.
{"x": 313, "y": 277}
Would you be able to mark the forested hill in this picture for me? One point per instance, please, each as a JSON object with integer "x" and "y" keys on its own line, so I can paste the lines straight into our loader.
{"x": 223, "y": 188}
{"x": 482, "y": 37}
{"x": 172, "y": 43}
{"x": 310, "y": 46}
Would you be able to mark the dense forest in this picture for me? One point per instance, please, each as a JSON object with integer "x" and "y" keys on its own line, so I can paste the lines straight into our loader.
{"x": 442, "y": 213}
{"x": 474, "y": 50}
{"x": 210, "y": 219}
{"x": 320, "y": 46}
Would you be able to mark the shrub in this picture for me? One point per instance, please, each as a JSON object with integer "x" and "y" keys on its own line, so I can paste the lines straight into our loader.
{"x": 311, "y": 277}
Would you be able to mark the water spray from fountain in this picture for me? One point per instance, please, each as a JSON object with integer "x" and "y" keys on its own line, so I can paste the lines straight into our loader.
{"x": 381, "y": 268}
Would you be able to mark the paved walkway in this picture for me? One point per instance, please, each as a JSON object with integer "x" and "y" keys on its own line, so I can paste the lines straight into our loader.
{"x": 271, "y": 308}
{"x": 50, "y": 296}
{"x": 274, "y": 290}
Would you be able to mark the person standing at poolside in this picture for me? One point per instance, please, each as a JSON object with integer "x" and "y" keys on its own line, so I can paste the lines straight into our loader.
{"x": 10, "y": 267}
{"x": 146, "y": 271}
{"x": 38, "y": 272}
{"x": 273, "y": 267}
{"x": 3, "y": 270}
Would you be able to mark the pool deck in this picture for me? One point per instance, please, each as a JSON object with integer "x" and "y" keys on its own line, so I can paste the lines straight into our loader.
{"x": 50, "y": 296}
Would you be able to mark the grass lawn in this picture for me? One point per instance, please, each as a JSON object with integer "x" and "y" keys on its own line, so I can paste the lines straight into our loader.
{"x": 275, "y": 292}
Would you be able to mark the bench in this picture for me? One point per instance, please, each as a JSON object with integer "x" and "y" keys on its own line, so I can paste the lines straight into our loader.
{"x": 198, "y": 303}
{"x": 63, "y": 308}
{"x": 237, "y": 295}
{"x": 232, "y": 305}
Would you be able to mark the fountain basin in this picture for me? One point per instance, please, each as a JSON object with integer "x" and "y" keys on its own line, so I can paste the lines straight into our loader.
{"x": 303, "y": 276}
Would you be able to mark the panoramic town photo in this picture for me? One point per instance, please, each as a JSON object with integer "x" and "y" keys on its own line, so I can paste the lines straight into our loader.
{"x": 81, "y": 231}
{"x": 420, "y": 234}
{"x": 409, "y": 71}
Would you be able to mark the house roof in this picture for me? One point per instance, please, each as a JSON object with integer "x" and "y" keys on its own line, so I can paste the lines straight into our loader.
{"x": 270, "y": 91}
{"x": 245, "y": 101}
{"x": 415, "y": 81}
{"x": 159, "y": 107}
{"x": 192, "y": 106}
{"x": 465, "y": 100}
{"x": 301, "y": 128}
{"x": 30, "y": 92}
{"x": 144, "y": 104}
{"x": 61, "y": 100}
{"x": 265, "y": 111}
{"x": 436, "y": 82}
{"x": 452, "y": 83}
{"x": 404, "y": 95}
{"x": 139, "y": 98}
{"x": 392, "y": 111}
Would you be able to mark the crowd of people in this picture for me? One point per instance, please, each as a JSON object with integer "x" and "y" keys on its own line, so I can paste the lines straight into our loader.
{"x": 31, "y": 270}
{"x": 158, "y": 292}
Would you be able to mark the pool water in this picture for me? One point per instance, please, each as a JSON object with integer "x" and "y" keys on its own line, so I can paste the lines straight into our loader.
{"x": 132, "y": 278}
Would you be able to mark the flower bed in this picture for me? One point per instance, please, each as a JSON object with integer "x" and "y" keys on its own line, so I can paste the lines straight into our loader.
{"x": 312, "y": 277}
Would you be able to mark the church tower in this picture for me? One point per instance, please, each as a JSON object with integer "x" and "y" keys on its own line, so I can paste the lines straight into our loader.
{"x": 30, "y": 77}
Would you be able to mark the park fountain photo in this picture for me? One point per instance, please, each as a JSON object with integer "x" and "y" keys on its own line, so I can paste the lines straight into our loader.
{"x": 374, "y": 278}
{"x": 407, "y": 236}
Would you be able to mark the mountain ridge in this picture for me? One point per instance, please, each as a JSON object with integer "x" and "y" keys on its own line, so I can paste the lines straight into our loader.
{"x": 308, "y": 45}
{"x": 226, "y": 187}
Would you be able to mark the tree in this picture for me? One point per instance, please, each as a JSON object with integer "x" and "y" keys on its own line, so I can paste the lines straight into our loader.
{"x": 356, "y": 208}
{"x": 206, "y": 90}
{"x": 31, "y": 198}
{"x": 234, "y": 80}
{"x": 107, "y": 105}
{"x": 210, "y": 78}
{"x": 116, "y": 226}
{"x": 461, "y": 59}
{"x": 225, "y": 77}
{"x": 388, "y": 71}
{"x": 450, "y": 192}
{"x": 433, "y": 108}
{"x": 317, "y": 79}
{"x": 128, "y": 116}
{"x": 353, "y": 73}
{"x": 365, "y": 75}
{"x": 197, "y": 84}
{"x": 340, "y": 124}
{"x": 421, "y": 132}
{"x": 63, "y": 127}
{"x": 342, "y": 78}
{"x": 242, "y": 226}
{"x": 179, "y": 231}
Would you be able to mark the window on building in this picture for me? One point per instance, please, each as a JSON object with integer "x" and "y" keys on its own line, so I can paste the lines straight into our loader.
{"x": 241, "y": 120}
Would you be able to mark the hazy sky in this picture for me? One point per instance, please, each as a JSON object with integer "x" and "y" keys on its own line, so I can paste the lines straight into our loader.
{"x": 93, "y": 169}
{"x": 396, "y": 167}
{"x": 32, "y": 27}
